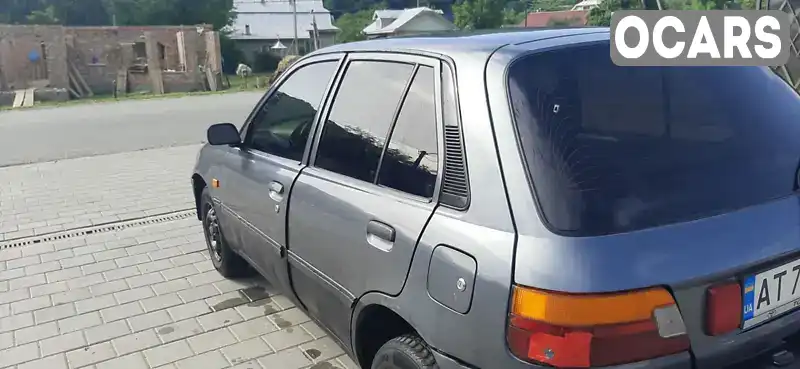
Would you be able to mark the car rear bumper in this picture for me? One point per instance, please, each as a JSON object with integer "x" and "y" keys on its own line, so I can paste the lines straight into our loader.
{"x": 678, "y": 361}
{"x": 785, "y": 356}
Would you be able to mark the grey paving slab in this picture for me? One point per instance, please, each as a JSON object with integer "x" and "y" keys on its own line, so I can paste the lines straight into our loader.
{"x": 76, "y": 188}
{"x": 141, "y": 297}
{"x": 154, "y": 312}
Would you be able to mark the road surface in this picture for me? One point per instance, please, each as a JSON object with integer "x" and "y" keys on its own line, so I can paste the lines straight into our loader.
{"x": 29, "y": 136}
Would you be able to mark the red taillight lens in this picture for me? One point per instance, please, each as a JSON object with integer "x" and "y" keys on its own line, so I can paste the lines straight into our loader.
{"x": 723, "y": 308}
{"x": 580, "y": 331}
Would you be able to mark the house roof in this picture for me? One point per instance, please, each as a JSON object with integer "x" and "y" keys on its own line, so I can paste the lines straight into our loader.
{"x": 387, "y": 21}
{"x": 543, "y": 19}
{"x": 273, "y": 19}
{"x": 586, "y": 4}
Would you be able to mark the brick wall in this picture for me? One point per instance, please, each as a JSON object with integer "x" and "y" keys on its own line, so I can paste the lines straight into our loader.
{"x": 96, "y": 52}
{"x": 17, "y": 42}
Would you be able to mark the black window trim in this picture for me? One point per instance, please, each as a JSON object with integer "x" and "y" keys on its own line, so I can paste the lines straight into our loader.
{"x": 338, "y": 58}
{"x": 393, "y": 57}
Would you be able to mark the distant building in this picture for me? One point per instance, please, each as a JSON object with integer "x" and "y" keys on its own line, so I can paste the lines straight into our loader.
{"x": 559, "y": 18}
{"x": 268, "y": 26}
{"x": 403, "y": 22}
{"x": 587, "y": 4}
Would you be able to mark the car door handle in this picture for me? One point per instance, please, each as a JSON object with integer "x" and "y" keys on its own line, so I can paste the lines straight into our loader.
{"x": 381, "y": 230}
{"x": 276, "y": 191}
{"x": 276, "y": 187}
{"x": 380, "y": 236}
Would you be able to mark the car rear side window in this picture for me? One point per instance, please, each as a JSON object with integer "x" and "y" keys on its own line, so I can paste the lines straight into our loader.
{"x": 356, "y": 129}
{"x": 282, "y": 126}
{"x": 613, "y": 149}
{"x": 411, "y": 161}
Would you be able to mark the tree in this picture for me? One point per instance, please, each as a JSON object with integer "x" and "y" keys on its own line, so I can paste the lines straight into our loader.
{"x": 351, "y": 25}
{"x": 551, "y": 5}
{"x": 511, "y": 16}
{"x": 478, "y": 14}
{"x": 46, "y": 16}
{"x": 601, "y": 15}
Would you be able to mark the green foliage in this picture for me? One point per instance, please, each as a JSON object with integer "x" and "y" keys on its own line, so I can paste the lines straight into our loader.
{"x": 46, "y": 16}
{"x": 710, "y": 4}
{"x": 511, "y": 16}
{"x": 551, "y": 5}
{"x": 478, "y": 14}
{"x": 351, "y": 25}
{"x": 265, "y": 62}
{"x": 126, "y": 12}
{"x": 601, "y": 15}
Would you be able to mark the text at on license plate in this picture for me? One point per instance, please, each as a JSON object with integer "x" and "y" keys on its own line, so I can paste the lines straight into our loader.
{"x": 771, "y": 293}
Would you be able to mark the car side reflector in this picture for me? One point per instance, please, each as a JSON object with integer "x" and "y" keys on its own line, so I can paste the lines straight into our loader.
{"x": 723, "y": 308}
{"x": 587, "y": 330}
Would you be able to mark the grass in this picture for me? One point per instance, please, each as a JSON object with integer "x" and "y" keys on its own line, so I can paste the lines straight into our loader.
{"x": 237, "y": 85}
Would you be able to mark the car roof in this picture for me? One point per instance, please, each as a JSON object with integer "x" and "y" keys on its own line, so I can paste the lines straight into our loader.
{"x": 447, "y": 43}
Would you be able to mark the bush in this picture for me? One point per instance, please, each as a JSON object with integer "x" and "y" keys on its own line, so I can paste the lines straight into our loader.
{"x": 282, "y": 65}
{"x": 231, "y": 55}
{"x": 265, "y": 62}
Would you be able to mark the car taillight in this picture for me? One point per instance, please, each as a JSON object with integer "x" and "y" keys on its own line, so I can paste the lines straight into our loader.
{"x": 723, "y": 308}
{"x": 583, "y": 330}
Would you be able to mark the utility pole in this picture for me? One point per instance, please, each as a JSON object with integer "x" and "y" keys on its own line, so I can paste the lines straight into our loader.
{"x": 294, "y": 16}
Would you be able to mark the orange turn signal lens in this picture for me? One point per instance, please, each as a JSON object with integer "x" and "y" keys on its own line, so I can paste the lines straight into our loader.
{"x": 583, "y": 330}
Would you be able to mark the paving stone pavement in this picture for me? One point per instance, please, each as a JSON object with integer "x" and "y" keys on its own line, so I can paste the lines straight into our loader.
{"x": 140, "y": 297}
{"x": 54, "y": 196}
{"x": 147, "y": 297}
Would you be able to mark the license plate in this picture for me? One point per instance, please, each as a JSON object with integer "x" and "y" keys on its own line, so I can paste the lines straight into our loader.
{"x": 771, "y": 293}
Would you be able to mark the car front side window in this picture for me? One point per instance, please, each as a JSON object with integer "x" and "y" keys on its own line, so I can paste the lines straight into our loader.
{"x": 281, "y": 127}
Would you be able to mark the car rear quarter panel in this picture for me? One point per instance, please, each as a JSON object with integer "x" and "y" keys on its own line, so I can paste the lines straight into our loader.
{"x": 484, "y": 231}
{"x": 687, "y": 257}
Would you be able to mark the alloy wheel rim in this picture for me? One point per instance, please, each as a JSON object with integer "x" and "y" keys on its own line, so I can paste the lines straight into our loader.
{"x": 213, "y": 236}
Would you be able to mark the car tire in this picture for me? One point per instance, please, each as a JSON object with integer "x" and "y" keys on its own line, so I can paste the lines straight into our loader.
{"x": 225, "y": 261}
{"x": 404, "y": 352}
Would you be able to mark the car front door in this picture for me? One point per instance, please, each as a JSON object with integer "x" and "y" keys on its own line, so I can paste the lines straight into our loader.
{"x": 359, "y": 207}
{"x": 263, "y": 168}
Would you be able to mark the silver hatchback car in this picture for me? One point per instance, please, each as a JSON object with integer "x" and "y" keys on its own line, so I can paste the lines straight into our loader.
{"x": 515, "y": 200}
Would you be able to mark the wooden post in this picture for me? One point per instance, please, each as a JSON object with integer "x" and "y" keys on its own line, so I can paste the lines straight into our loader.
{"x": 181, "y": 37}
{"x": 154, "y": 64}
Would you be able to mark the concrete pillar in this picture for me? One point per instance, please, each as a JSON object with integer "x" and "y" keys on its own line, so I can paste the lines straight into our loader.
{"x": 154, "y": 64}
{"x": 5, "y": 55}
{"x": 57, "y": 68}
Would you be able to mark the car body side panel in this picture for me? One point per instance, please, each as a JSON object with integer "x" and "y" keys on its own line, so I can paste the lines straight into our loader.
{"x": 329, "y": 243}
{"x": 491, "y": 244}
{"x": 212, "y": 165}
{"x": 332, "y": 257}
{"x": 686, "y": 257}
{"x": 261, "y": 215}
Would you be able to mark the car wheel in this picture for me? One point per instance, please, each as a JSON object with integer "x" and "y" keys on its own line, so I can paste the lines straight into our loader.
{"x": 404, "y": 352}
{"x": 225, "y": 260}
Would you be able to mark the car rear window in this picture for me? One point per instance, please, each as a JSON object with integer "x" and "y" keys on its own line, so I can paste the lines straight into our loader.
{"x": 614, "y": 149}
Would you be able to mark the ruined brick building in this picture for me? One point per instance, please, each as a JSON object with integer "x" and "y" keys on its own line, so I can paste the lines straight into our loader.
{"x": 86, "y": 61}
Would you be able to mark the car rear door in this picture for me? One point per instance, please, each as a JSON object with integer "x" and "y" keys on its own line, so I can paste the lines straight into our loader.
{"x": 359, "y": 207}
{"x": 263, "y": 169}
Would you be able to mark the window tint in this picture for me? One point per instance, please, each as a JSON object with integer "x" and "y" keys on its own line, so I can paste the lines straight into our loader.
{"x": 356, "y": 129}
{"x": 410, "y": 163}
{"x": 284, "y": 122}
{"x": 612, "y": 149}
